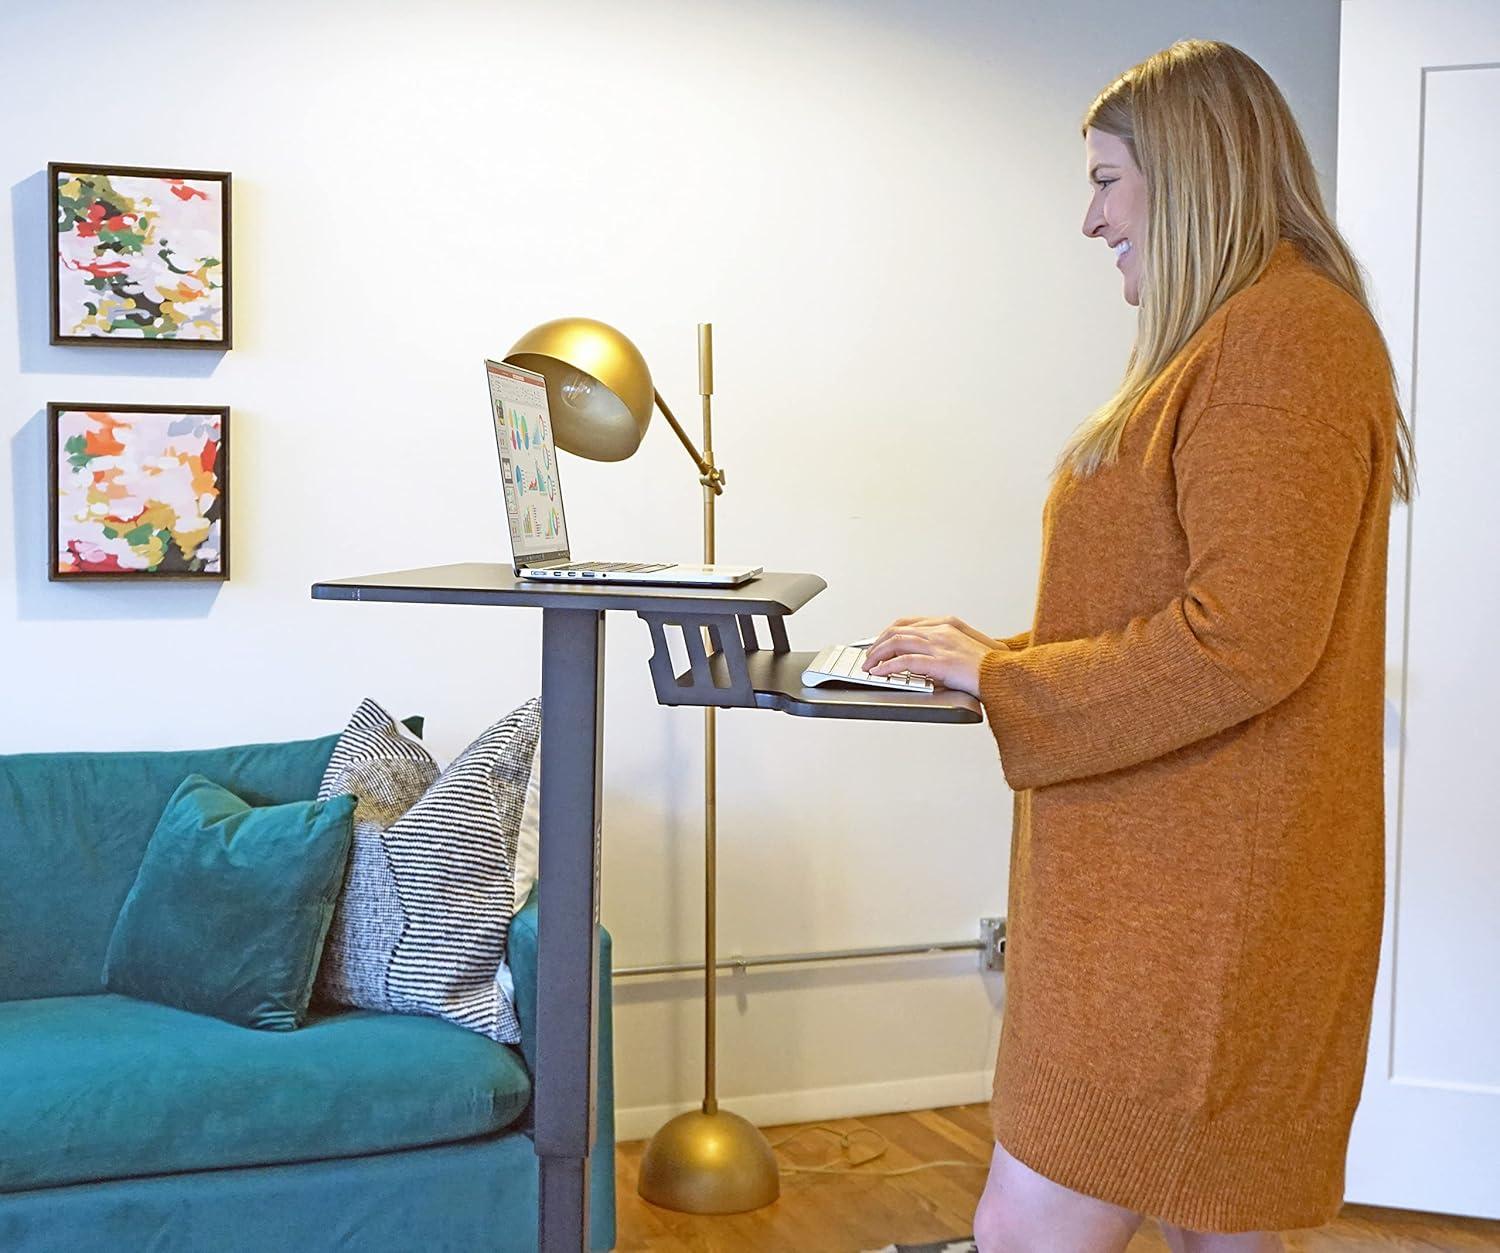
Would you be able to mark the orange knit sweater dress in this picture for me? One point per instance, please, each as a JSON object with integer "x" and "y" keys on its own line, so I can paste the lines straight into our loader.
{"x": 1193, "y": 731}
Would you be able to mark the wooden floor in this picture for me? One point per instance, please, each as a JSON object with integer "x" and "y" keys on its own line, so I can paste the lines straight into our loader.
{"x": 844, "y": 1213}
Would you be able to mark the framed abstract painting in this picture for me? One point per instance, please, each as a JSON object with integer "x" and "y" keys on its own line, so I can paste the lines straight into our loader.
{"x": 138, "y": 492}
{"x": 140, "y": 256}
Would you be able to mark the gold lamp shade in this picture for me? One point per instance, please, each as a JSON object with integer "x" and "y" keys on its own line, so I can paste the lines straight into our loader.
{"x": 598, "y": 386}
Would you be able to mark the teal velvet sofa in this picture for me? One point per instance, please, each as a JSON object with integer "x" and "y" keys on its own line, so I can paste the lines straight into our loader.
{"x": 126, "y": 1125}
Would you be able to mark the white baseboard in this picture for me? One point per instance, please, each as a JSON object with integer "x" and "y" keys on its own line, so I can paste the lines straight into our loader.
{"x": 767, "y": 1109}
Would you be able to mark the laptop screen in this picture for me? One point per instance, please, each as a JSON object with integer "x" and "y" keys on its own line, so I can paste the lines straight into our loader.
{"x": 528, "y": 464}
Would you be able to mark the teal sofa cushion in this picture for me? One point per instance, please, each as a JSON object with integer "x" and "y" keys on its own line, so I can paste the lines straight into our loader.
{"x": 231, "y": 905}
{"x": 479, "y": 1196}
{"x": 104, "y": 1087}
{"x": 73, "y": 829}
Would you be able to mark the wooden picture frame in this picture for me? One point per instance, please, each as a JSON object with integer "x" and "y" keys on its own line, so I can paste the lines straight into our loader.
{"x": 139, "y": 256}
{"x": 128, "y": 476}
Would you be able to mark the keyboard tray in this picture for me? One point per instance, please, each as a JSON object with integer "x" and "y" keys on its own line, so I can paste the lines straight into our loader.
{"x": 777, "y": 680}
{"x": 740, "y": 672}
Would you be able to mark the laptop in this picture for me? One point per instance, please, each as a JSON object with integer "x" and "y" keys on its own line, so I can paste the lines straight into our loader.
{"x": 533, "y": 496}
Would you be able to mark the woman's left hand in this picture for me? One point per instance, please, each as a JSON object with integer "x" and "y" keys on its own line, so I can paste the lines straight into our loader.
{"x": 946, "y": 655}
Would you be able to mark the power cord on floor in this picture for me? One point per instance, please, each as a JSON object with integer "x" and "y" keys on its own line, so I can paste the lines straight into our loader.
{"x": 851, "y": 1164}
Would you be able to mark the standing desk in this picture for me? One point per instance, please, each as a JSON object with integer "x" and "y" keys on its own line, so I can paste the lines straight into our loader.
{"x": 736, "y": 670}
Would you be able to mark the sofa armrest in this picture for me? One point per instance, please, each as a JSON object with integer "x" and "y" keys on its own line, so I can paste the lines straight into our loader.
{"x": 521, "y": 957}
{"x": 521, "y": 948}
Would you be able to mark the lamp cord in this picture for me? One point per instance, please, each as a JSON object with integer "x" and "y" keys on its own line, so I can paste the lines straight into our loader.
{"x": 850, "y": 1166}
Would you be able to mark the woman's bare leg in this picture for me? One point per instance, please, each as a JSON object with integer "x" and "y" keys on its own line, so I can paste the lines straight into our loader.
{"x": 1180, "y": 1240}
{"x": 1024, "y": 1212}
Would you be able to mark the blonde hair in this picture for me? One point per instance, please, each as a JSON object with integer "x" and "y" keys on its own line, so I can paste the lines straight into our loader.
{"x": 1227, "y": 178}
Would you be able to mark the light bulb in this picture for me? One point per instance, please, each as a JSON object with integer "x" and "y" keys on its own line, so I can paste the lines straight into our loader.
{"x": 578, "y": 390}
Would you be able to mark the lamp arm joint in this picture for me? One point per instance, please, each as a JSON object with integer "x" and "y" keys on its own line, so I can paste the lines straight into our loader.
{"x": 708, "y": 474}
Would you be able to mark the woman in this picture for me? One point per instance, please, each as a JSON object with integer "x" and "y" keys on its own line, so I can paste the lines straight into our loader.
{"x": 1192, "y": 727}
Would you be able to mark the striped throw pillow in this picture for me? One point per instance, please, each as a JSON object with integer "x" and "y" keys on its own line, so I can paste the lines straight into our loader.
{"x": 446, "y": 907}
{"x": 387, "y": 773}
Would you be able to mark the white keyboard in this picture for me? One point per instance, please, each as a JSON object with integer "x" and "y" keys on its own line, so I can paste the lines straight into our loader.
{"x": 843, "y": 663}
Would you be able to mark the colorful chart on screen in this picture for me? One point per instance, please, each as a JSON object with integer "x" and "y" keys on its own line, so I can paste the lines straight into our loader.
{"x": 528, "y": 460}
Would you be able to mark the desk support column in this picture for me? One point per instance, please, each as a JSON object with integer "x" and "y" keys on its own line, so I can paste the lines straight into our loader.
{"x": 568, "y": 921}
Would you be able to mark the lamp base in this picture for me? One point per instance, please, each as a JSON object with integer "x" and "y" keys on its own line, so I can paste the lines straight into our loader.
{"x": 701, "y": 1163}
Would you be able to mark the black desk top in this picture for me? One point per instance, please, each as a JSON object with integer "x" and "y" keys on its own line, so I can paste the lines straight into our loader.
{"x": 775, "y": 677}
{"x": 484, "y": 583}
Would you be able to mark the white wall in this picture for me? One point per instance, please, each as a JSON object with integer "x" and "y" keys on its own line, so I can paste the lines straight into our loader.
{"x": 877, "y": 205}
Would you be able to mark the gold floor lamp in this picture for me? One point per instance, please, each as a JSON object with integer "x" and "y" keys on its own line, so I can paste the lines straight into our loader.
{"x": 600, "y": 393}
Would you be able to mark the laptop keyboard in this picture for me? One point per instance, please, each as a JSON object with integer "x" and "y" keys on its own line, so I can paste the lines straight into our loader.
{"x": 632, "y": 567}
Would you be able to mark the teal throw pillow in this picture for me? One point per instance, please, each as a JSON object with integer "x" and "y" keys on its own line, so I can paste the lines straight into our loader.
{"x": 231, "y": 906}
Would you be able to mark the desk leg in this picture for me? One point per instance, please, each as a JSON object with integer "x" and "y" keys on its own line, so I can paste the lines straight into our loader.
{"x": 568, "y": 920}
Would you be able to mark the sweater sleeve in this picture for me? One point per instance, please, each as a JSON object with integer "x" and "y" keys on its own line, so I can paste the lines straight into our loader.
{"x": 1015, "y": 642}
{"x": 1269, "y": 500}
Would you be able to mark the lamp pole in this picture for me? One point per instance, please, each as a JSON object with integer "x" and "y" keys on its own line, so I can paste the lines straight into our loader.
{"x": 710, "y": 749}
{"x": 712, "y": 479}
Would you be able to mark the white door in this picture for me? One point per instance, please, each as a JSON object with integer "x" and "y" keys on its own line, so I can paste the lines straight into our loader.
{"x": 1419, "y": 202}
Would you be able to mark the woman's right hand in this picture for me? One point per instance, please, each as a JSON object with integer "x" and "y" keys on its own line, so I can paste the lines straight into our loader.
{"x": 972, "y": 632}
